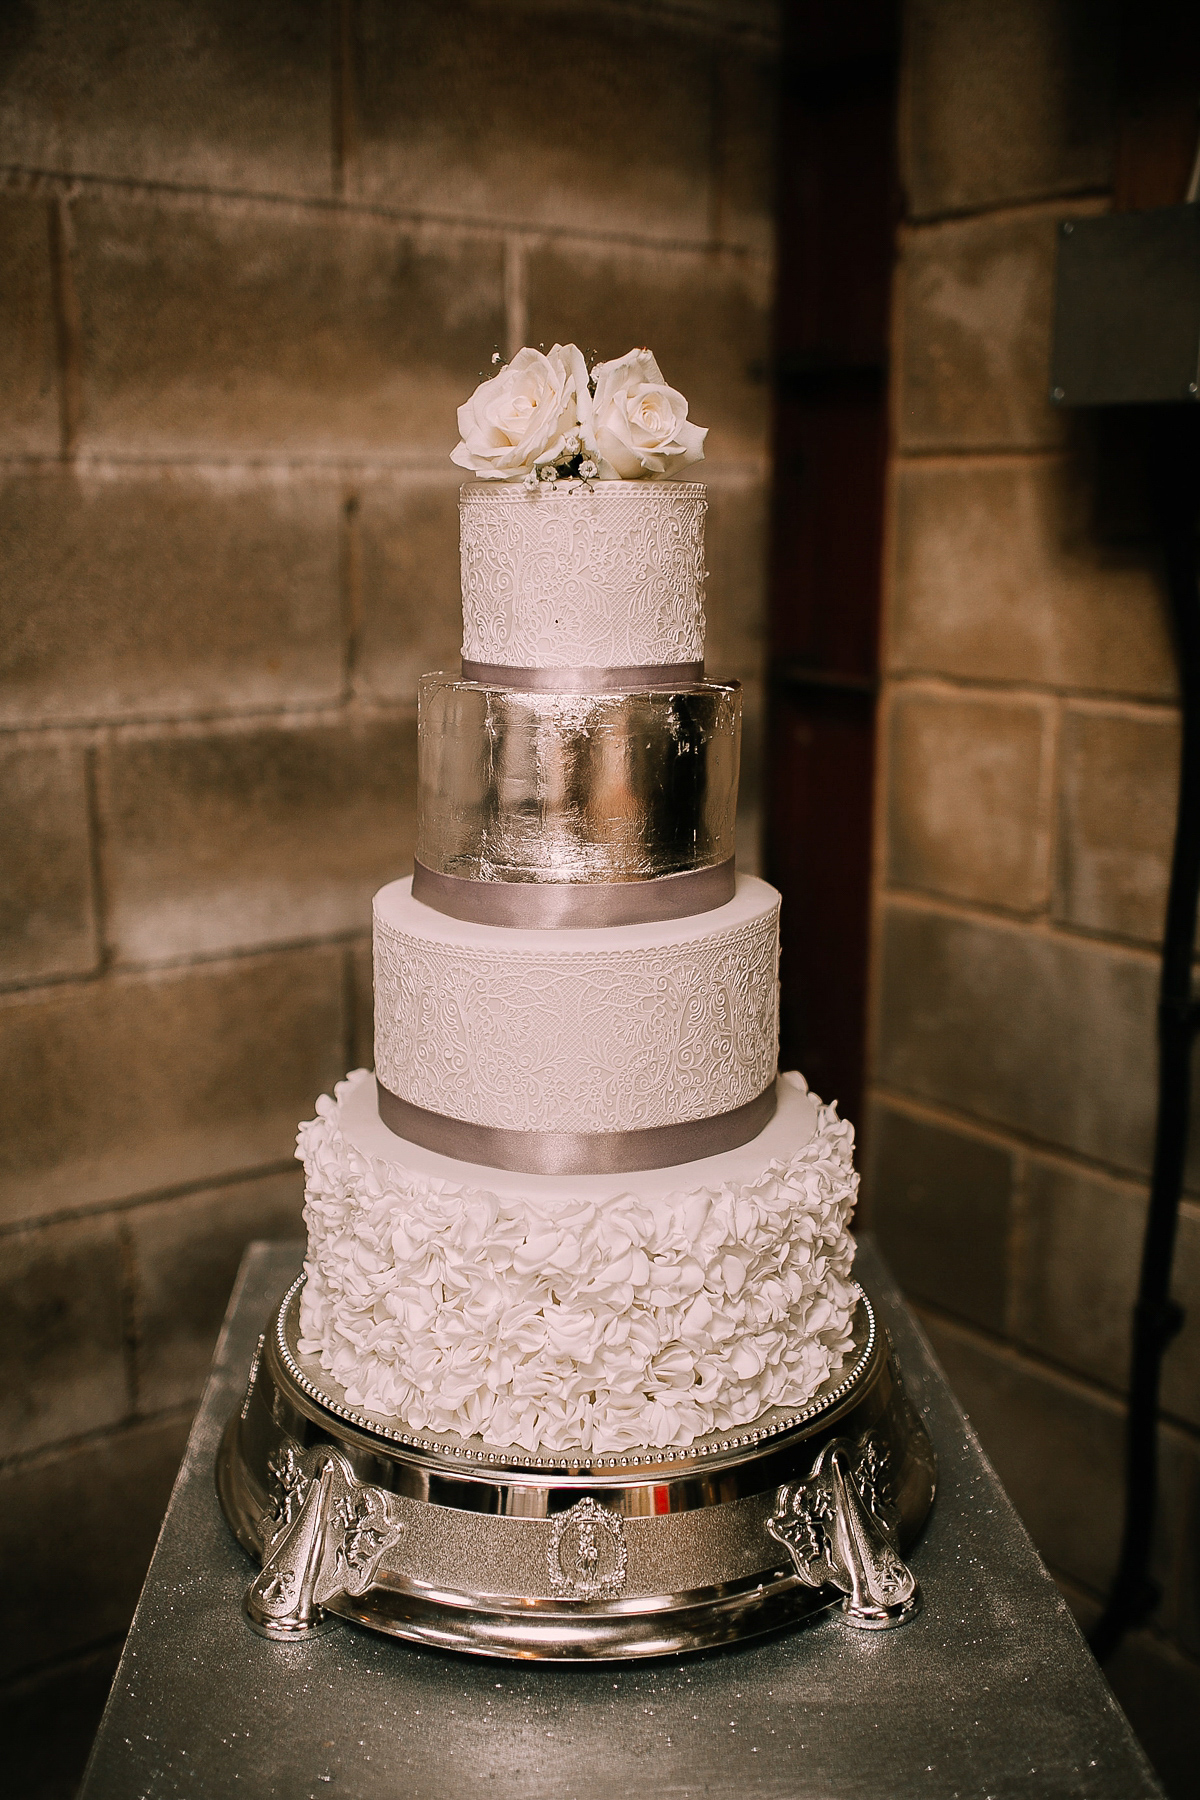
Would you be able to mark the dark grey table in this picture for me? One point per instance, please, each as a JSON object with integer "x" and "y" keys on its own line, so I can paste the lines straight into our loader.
{"x": 990, "y": 1692}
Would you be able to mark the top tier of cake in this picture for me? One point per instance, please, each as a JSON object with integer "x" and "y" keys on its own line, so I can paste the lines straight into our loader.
{"x": 567, "y": 577}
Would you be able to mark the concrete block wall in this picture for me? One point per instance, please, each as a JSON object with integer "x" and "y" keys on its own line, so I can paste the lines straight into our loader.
{"x": 254, "y": 257}
{"x": 1030, "y": 741}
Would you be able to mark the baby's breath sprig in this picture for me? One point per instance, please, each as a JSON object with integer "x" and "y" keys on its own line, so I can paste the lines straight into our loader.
{"x": 574, "y": 462}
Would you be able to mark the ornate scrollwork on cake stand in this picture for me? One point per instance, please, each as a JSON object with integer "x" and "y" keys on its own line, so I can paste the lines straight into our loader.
{"x": 454, "y": 1542}
{"x": 324, "y": 1535}
{"x": 839, "y": 1527}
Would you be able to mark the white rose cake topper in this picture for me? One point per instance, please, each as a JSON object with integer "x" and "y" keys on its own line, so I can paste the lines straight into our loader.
{"x": 641, "y": 425}
{"x": 542, "y": 416}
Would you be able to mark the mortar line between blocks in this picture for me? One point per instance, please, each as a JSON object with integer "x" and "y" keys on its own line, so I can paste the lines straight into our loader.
{"x": 1037, "y": 1364}
{"x": 1029, "y": 205}
{"x": 130, "y": 972}
{"x": 130, "y": 1303}
{"x": 70, "y": 1446}
{"x": 419, "y": 464}
{"x": 1003, "y": 1135}
{"x": 68, "y": 326}
{"x": 1040, "y": 925}
{"x": 103, "y": 729}
{"x": 20, "y": 177}
{"x": 150, "y": 1197}
{"x": 343, "y": 98}
{"x": 936, "y": 684}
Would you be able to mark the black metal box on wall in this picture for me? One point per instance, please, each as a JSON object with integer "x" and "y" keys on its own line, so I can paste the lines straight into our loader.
{"x": 1127, "y": 309}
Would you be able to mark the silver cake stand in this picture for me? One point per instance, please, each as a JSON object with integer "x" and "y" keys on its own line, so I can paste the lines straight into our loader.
{"x": 452, "y": 1542}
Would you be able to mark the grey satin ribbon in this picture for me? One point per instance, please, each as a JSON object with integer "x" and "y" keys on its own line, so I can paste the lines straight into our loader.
{"x": 575, "y": 905}
{"x": 584, "y": 681}
{"x": 575, "y": 1152}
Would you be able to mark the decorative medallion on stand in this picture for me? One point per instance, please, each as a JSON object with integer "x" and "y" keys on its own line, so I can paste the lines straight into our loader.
{"x": 324, "y": 1534}
{"x": 839, "y": 1527}
{"x": 587, "y": 1553}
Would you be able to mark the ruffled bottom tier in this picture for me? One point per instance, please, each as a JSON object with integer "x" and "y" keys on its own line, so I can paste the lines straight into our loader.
{"x": 593, "y": 1313}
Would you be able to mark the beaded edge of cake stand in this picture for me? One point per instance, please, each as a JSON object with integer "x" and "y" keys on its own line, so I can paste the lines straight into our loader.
{"x": 462, "y": 1451}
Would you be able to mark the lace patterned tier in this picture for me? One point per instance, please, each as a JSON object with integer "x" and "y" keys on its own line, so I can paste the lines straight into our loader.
{"x": 576, "y": 795}
{"x": 566, "y": 579}
{"x": 575, "y": 1050}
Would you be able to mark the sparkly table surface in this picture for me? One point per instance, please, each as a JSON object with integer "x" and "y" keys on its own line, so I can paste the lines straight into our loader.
{"x": 990, "y": 1692}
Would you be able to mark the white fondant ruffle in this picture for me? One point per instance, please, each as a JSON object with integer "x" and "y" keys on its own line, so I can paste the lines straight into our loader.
{"x": 563, "y": 1324}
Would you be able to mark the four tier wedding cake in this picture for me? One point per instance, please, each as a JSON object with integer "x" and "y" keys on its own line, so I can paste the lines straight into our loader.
{"x": 575, "y": 1208}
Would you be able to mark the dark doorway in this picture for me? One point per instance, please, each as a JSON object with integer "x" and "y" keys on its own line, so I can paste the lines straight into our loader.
{"x": 838, "y": 208}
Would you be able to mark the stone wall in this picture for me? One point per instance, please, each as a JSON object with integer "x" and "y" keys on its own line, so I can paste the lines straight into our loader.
{"x": 1030, "y": 740}
{"x": 254, "y": 257}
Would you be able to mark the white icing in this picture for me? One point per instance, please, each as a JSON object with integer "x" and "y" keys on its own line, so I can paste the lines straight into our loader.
{"x": 578, "y": 1314}
{"x": 613, "y": 1029}
{"x": 564, "y": 578}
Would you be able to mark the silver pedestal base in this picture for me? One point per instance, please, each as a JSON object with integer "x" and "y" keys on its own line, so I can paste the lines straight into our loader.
{"x": 451, "y": 1542}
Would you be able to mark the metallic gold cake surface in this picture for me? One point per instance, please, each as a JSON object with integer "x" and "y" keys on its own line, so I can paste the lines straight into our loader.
{"x": 588, "y": 788}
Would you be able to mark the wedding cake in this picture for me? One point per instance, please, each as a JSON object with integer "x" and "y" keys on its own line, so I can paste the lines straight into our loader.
{"x": 575, "y": 1209}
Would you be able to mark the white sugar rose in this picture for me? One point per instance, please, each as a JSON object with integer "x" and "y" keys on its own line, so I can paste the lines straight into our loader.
{"x": 521, "y": 418}
{"x": 640, "y": 424}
